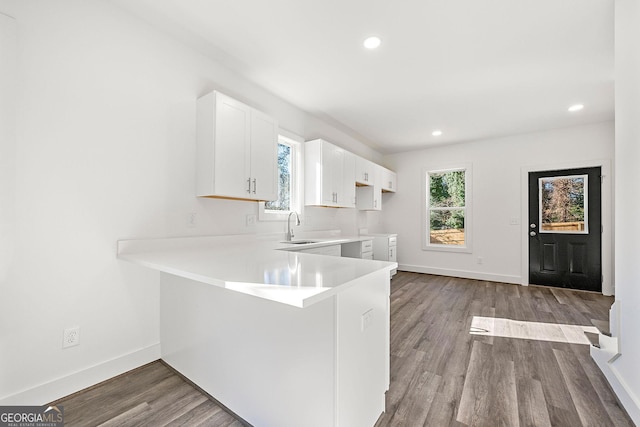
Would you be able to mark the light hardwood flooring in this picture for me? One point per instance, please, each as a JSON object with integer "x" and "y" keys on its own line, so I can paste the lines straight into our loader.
{"x": 451, "y": 365}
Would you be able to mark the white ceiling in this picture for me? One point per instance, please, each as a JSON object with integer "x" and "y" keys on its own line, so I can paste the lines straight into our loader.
{"x": 473, "y": 68}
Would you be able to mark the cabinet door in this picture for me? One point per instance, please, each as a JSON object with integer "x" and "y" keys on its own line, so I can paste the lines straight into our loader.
{"x": 327, "y": 165}
{"x": 329, "y": 179}
{"x": 313, "y": 190}
{"x": 369, "y": 198}
{"x": 337, "y": 172}
{"x": 388, "y": 180}
{"x": 332, "y": 158}
{"x": 364, "y": 171}
{"x": 349, "y": 180}
{"x": 264, "y": 157}
{"x": 392, "y": 253}
{"x": 232, "y": 147}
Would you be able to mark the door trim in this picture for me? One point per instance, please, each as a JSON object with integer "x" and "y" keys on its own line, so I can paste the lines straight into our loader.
{"x": 608, "y": 285}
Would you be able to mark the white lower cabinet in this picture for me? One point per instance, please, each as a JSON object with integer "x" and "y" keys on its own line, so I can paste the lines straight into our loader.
{"x": 363, "y": 249}
{"x": 325, "y": 365}
{"x": 385, "y": 248}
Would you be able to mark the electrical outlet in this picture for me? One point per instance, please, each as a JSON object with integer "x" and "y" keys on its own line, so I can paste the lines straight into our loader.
{"x": 251, "y": 220}
{"x": 479, "y": 260}
{"x": 514, "y": 220}
{"x": 71, "y": 337}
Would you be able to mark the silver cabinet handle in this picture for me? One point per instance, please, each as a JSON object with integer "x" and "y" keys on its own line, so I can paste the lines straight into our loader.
{"x": 533, "y": 233}
{"x": 255, "y": 186}
{"x": 249, "y": 185}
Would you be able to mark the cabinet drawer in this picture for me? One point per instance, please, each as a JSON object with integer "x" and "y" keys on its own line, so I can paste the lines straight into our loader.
{"x": 367, "y": 255}
{"x": 392, "y": 253}
{"x": 367, "y": 246}
{"x": 392, "y": 241}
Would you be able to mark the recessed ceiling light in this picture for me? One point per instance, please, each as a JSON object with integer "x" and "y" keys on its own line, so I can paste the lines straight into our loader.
{"x": 436, "y": 133}
{"x": 372, "y": 42}
{"x": 576, "y": 107}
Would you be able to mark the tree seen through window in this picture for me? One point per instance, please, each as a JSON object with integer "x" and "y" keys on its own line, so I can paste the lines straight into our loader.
{"x": 446, "y": 207}
{"x": 284, "y": 180}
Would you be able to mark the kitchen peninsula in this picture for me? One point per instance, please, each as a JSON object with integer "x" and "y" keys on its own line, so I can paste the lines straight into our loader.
{"x": 280, "y": 337}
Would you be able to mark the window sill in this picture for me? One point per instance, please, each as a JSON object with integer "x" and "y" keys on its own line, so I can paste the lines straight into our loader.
{"x": 444, "y": 248}
{"x": 265, "y": 215}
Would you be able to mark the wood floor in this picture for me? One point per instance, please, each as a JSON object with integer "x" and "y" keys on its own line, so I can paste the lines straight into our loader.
{"x": 152, "y": 395}
{"x": 451, "y": 365}
{"x": 441, "y": 375}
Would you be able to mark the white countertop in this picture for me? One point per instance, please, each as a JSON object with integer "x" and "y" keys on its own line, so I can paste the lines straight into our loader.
{"x": 269, "y": 269}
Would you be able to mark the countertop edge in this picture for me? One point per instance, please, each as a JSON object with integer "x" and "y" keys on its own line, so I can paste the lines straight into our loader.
{"x": 142, "y": 252}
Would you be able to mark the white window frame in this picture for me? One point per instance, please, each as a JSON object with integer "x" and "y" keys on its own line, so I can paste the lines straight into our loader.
{"x": 468, "y": 211}
{"x": 296, "y": 143}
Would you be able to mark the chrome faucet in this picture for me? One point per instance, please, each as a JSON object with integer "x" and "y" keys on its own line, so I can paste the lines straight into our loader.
{"x": 289, "y": 235}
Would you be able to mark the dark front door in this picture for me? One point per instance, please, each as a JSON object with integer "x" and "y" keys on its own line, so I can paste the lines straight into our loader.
{"x": 565, "y": 229}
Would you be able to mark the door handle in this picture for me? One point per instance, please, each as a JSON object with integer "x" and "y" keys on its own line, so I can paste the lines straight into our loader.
{"x": 532, "y": 225}
{"x": 532, "y": 233}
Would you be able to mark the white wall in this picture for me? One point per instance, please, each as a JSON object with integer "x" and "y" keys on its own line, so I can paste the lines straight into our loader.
{"x": 104, "y": 150}
{"x": 623, "y": 373}
{"x": 497, "y": 166}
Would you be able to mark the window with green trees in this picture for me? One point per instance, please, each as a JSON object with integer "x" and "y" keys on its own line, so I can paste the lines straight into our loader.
{"x": 446, "y": 207}
{"x": 285, "y": 155}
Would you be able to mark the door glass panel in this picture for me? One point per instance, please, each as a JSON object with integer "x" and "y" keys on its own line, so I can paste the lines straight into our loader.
{"x": 563, "y": 204}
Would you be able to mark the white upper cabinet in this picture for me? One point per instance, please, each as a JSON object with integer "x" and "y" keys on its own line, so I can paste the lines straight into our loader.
{"x": 236, "y": 150}
{"x": 349, "y": 178}
{"x": 369, "y": 197}
{"x": 365, "y": 171}
{"x": 325, "y": 182}
{"x": 264, "y": 157}
{"x": 388, "y": 180}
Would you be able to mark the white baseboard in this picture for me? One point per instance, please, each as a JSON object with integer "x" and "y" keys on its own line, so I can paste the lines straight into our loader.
{"x": 461, "y": 273}
{"x": 61, "y": 387}
{"x": 629, "y": 401}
